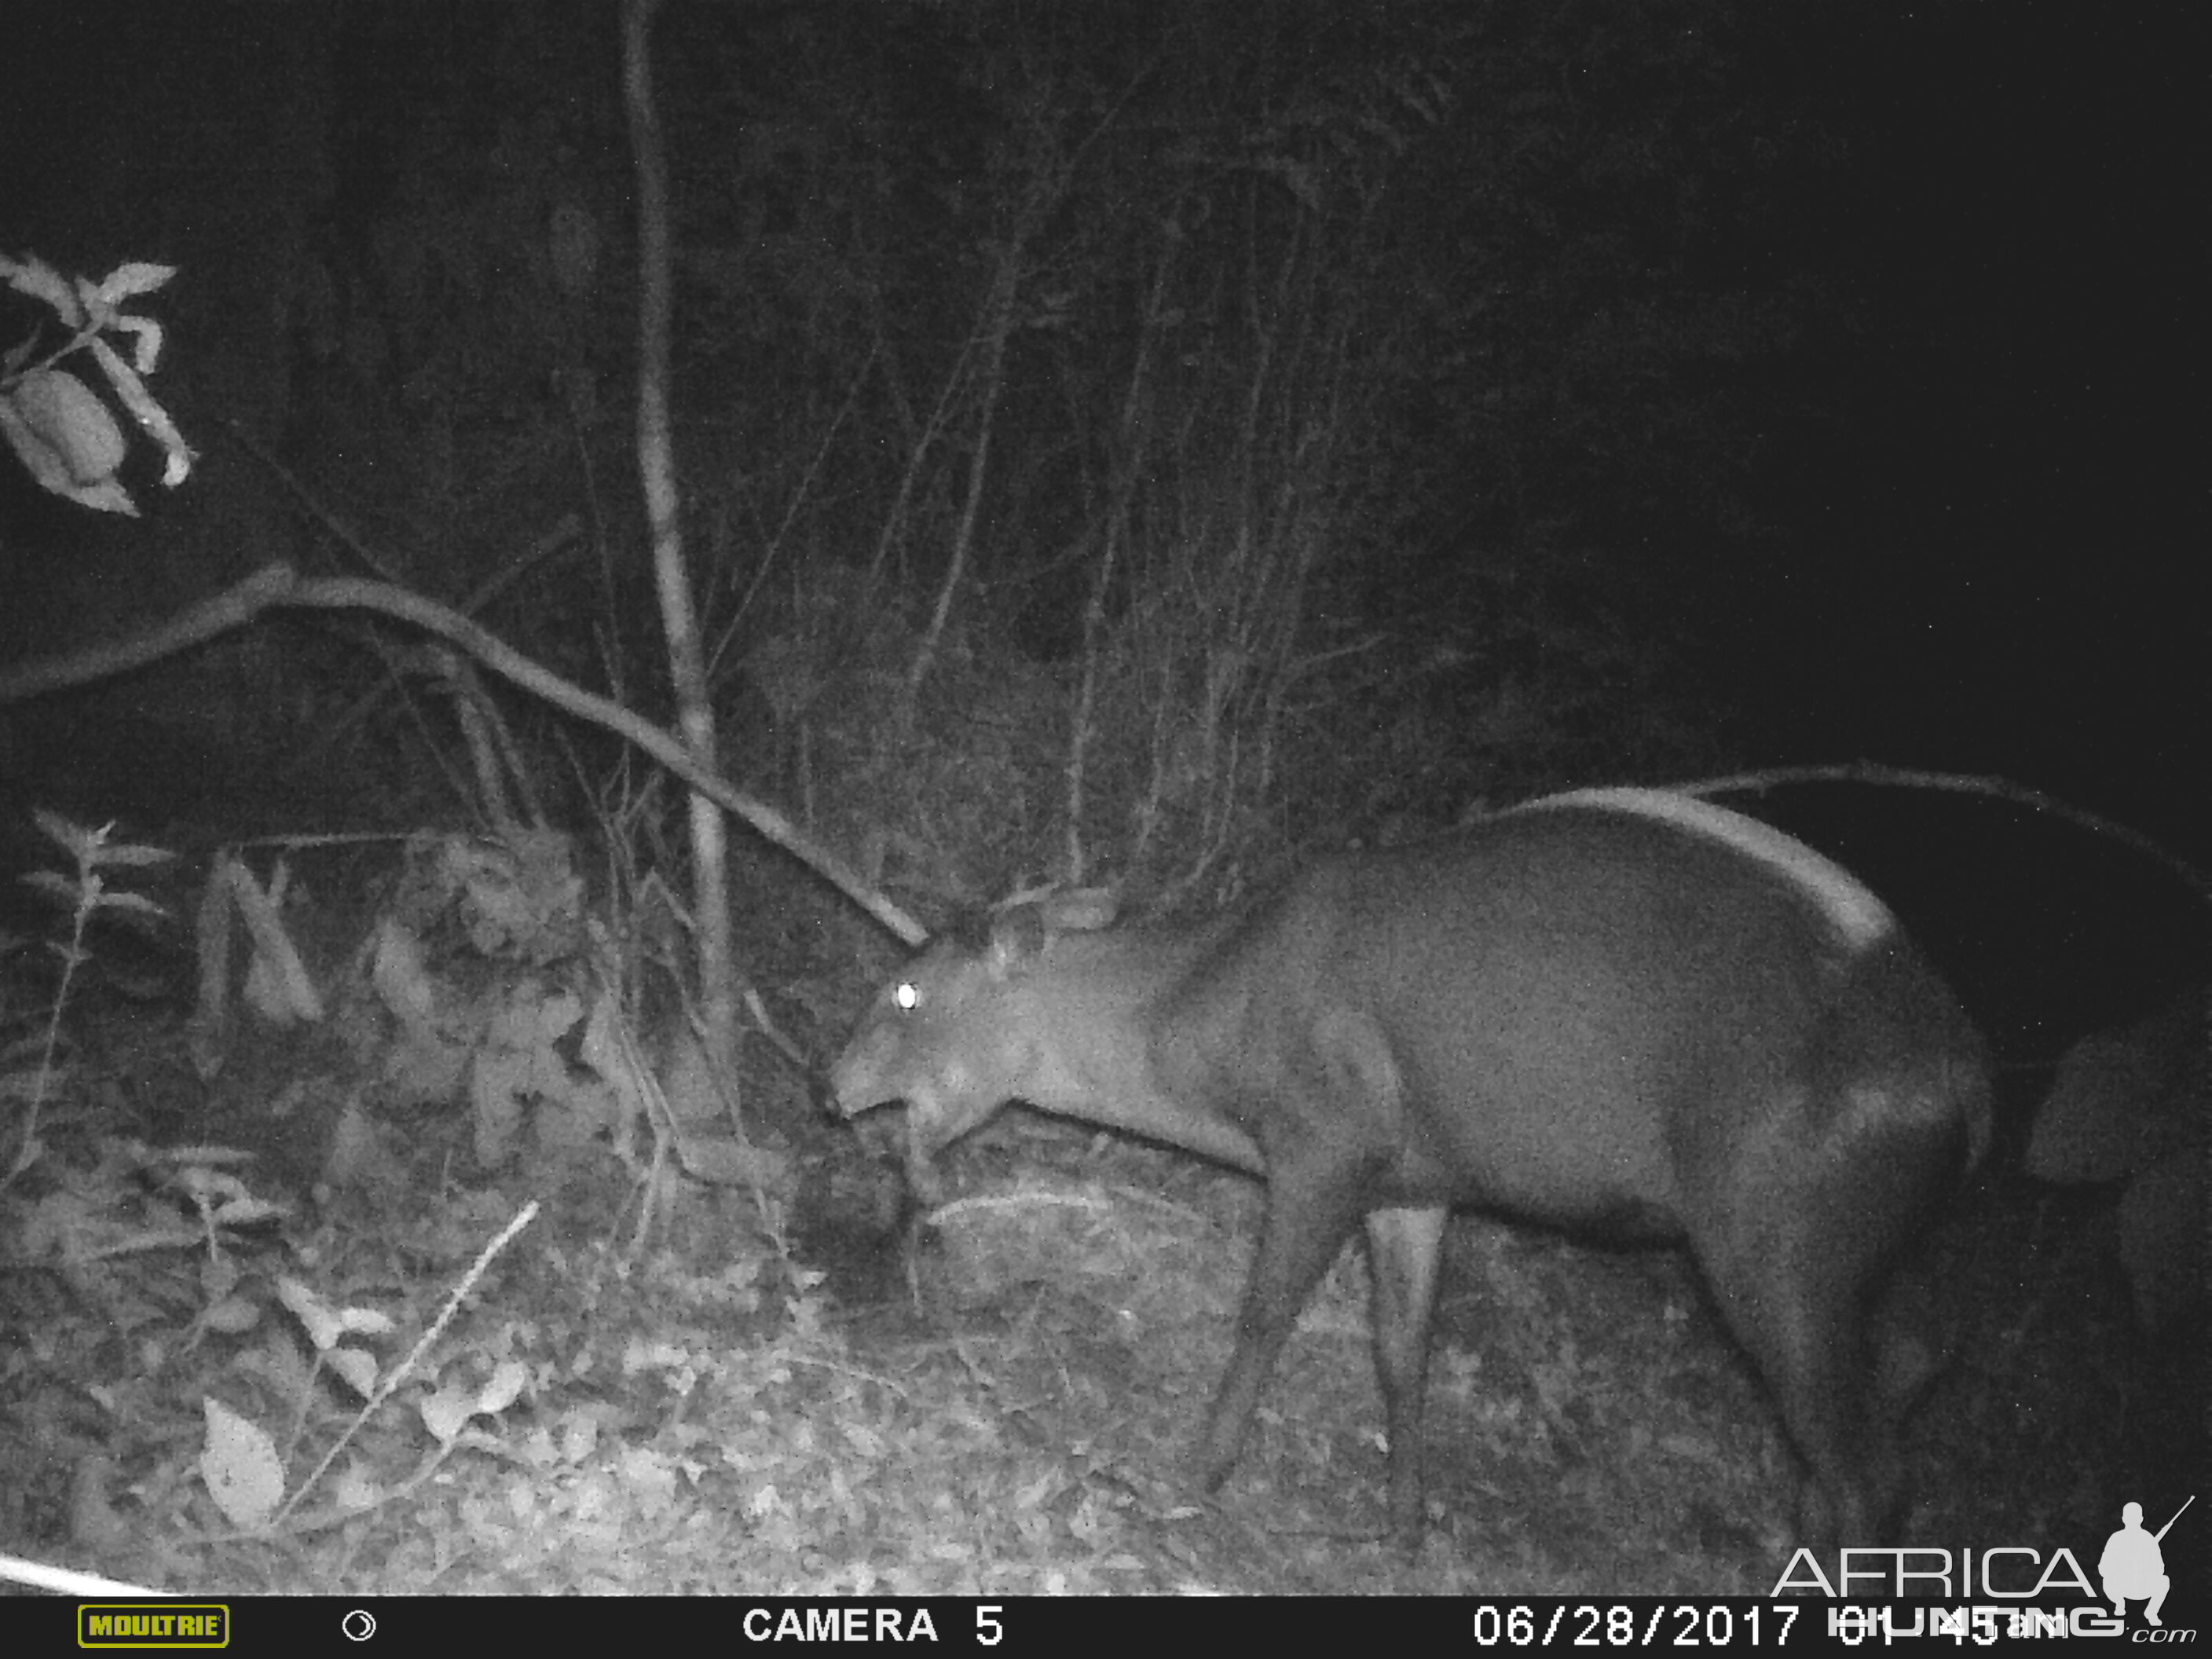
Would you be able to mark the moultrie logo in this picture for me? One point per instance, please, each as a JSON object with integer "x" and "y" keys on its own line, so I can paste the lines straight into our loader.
{"x": 2133, "y": 1568}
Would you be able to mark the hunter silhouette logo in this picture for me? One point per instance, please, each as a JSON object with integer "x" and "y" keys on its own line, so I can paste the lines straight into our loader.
{"x": 2132, "y": 1567}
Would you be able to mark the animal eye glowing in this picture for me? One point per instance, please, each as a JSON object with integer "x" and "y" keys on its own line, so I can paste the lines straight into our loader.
{"x": 906, "y": 994}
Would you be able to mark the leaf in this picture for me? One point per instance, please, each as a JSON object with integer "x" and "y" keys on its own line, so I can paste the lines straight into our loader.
{"x": 368, "y": 1322}
{"x": 66, "y": 439}
{"x": 131, "y": 854}
{"x": 72, "y": 837}
{"x": 322, "y": 1321}
{"x": 209, "y": 1187}
{"x": 145, "y": 335}
{"x": 397, "y": 970}
{"x": 445, "y": 1413}
{"x": 326, "y": 1324}
{"x": 201, "y": 1151}
{"x": 2099, "y": 1120}
{"x": 135, "y": 904}
{"x": 132, "y": 278}
{"x": 35, "y": 277}
{"x": 508, "y": 1382}
{"x": 239, "y": 1464}
{"x": 353, "y": 1488}
{"x": 244, "y": 1211}
{"x": 278, "y": 986}
{"x": 355, "y": 1369}
{"x": 234, "y": 1316}
{"x": 154, "y": 419}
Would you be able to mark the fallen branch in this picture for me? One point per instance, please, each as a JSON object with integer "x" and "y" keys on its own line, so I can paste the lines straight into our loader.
{"x": 278, "y": 586}
{"x": 1897, "y": 777}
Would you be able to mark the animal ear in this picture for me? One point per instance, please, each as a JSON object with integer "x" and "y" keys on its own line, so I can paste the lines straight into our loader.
{"x": 1018, "y": 936}
{"x": 1080, "y": 909}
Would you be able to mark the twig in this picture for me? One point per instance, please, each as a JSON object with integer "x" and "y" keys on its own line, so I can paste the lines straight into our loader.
{"x": 406, "y": 1368}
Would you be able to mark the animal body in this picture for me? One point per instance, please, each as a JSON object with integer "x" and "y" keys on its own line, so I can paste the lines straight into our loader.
{"x": 1622, "y": 1012}
{"x": 2082, "y": 952}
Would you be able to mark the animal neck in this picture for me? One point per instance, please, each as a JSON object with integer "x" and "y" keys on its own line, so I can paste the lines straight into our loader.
{"x": 1094, "y": 1002}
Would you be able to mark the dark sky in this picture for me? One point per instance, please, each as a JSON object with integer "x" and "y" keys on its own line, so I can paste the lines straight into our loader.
{"x": 2034, "y": 238}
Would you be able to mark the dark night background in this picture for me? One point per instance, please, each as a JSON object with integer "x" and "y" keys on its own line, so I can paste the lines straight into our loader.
{"x": 1891, "y": 446}
{"x": 1343, "y": 417}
